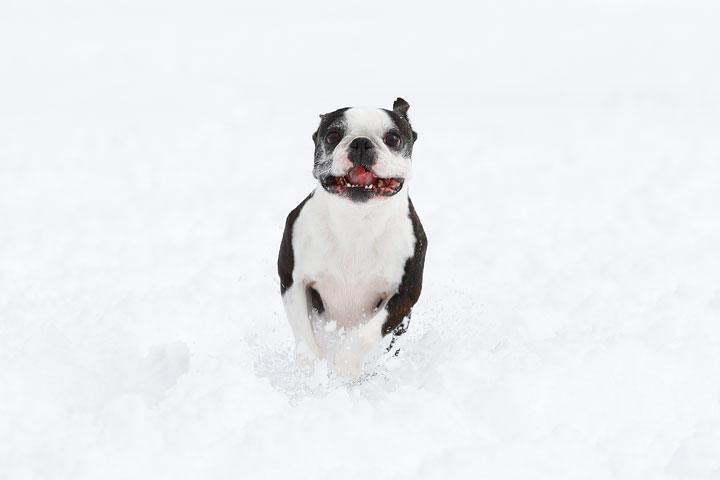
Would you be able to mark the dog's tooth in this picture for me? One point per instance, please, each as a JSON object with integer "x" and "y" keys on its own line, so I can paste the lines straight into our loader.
{"x": 381, "y": 183}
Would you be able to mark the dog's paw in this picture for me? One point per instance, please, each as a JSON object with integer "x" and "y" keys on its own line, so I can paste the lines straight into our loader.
{"x": 306, "y": 355}
{"x": 350, "y": 357}
{"x": 347, "y": 365}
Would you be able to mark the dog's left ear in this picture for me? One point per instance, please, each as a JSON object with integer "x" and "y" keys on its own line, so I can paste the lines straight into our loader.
{"x": 401, "y": 107}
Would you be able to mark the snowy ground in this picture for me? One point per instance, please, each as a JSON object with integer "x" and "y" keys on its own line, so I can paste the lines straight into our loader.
{"x": 567, "y": 174}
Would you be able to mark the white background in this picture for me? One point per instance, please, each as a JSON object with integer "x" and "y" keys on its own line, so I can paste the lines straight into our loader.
{"x": 567, "y": 173}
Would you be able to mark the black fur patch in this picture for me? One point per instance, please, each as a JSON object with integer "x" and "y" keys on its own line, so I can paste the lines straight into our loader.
{"x": 401, "y": 106}
{"x": 400, "y": 305}
{"x": 316, "y": 303}
{"x": 329, "y": 122}
{"x": 404, "y": 130}
{"x": 286, "y": 257}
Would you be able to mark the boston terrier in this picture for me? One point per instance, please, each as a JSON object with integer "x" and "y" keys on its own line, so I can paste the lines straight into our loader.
{"x": 352, "y": 254}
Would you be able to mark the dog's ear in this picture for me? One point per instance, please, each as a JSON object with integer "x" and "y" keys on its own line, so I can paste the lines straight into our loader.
{"x": 401, "y": 107}
{"x": 322, "y": 117}
{"x": 315, "y": 133}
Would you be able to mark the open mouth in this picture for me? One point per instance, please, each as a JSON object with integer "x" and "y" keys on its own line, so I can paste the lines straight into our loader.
{"x": 362, "y": 183}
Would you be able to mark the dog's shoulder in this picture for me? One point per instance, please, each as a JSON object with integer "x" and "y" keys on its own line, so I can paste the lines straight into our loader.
{"x": 286, "y": 256}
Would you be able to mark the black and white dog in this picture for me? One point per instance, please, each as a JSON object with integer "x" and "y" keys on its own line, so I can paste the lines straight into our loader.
{"x": 352, "y": 255}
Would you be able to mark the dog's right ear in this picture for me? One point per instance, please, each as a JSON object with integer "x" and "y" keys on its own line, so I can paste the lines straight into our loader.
{"x": 315, "y": 135}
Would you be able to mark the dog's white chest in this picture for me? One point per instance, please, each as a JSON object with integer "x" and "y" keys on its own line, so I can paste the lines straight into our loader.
{"x": 354, "y": 257}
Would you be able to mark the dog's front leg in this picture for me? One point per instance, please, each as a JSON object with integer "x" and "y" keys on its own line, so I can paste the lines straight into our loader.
{"x": 296, "y": 307}
{"x": 358, "y": 343}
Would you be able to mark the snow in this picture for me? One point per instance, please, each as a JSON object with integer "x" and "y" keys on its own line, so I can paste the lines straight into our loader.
{"x": 567, "y": 173}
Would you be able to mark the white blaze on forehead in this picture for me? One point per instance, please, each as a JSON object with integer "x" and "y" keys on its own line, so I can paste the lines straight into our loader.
{"x": 370, "y": 122}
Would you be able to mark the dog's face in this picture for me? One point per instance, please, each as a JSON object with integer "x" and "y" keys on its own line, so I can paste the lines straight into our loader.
{"x": 364, "y": 153}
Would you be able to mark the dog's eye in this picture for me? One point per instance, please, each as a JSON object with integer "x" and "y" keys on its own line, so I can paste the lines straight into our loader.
{"x": 332, "y": 138}
{"x": 392, "y": 140}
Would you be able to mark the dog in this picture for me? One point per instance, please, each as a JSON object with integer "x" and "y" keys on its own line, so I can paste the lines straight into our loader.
{"x": 352, "y": 254}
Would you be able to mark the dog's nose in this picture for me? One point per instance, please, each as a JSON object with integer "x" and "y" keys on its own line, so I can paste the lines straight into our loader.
{"x": 361, "y": 152}
{"x": 361, "y": 144}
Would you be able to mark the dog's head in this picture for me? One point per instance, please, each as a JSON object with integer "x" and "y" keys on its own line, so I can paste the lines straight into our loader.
{"x": 364, "y": 153}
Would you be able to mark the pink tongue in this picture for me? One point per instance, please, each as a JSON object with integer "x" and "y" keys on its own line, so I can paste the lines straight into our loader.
{"x": 360, "y": 176}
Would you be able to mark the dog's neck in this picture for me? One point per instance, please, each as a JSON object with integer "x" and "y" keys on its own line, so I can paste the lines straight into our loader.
{"x": 371, "y": 218}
